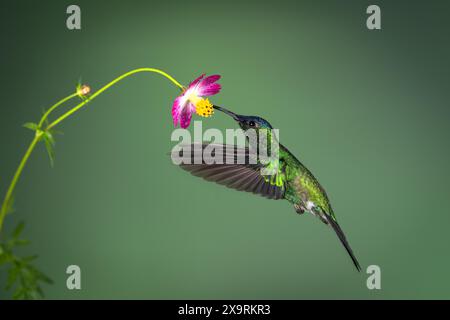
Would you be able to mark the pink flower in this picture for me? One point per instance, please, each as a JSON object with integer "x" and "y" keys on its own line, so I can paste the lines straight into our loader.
{"x": 193, "y": 100}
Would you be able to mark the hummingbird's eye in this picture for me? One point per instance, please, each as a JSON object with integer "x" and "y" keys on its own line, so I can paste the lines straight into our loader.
{"x": 251, "y": 123}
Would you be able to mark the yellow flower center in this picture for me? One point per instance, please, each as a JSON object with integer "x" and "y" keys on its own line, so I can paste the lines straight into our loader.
{"x": 203, "y": 108}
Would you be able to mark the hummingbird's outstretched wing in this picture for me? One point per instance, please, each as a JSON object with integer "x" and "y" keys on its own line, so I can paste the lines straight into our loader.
{"x": 236, "y": 170}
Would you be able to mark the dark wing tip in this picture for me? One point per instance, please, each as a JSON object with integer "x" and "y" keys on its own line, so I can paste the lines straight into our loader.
{"x": 239, "y": 175}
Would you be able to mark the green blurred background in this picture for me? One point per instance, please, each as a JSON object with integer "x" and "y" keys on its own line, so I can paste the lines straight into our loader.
{"x": 366, "y": 111}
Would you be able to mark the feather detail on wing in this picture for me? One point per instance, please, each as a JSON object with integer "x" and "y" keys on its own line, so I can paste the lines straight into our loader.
{"x": 234, "y": 167}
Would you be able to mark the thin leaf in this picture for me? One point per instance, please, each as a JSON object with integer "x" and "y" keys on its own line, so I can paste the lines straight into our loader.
{"x": 31, "y": 125}
{"x": 44, "y": 278}
{"x": 13, "y": 272}
{"x": 78, "y": 87}
{"x": 18, "y": 230}
{"x": 27, "y": 275}
{"x": 50, "y": 151}
{"x": 49, "y": 136}
{"x": 20, "y": 293}
{"x": 40, "y": 275}
{"x": 21, "y": 242}
{"x": 5, "y": 257}
{"x": 40, "y": 292}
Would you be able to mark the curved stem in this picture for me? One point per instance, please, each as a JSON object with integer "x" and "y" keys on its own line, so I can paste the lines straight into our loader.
{"x": 19, "y": 170}
{"x": 38, "y": 134}
{"x": 39, "y": 131}
{"x": 56, "y": 105}
{"x": 107, "y": 86}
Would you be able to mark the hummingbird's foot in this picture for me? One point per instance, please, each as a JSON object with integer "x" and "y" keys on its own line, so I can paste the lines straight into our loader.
{"x": 299, "y": 208}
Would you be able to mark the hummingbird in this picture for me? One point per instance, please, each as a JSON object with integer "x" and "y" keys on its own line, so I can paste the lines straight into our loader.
{"x": 292, "y": 181}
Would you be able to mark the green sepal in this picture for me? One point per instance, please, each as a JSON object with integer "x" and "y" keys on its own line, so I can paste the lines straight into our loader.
{"x": 49, "y": 145}
{"x": 31, "y": 125}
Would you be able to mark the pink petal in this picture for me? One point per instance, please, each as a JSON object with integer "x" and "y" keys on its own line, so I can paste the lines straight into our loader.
{"x": 186, "y": 115}
{"x": 210, "y": 79}
{"x": 196, "y": 81}
{"x": 176, "y": 110}
{"x": 209, "y": 90}
{"x": 208, "y": 86}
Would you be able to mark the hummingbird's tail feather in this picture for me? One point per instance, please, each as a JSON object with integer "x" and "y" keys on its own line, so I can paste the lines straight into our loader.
{"x": 341, "y": 237}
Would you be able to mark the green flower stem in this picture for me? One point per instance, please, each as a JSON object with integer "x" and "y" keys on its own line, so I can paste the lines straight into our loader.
{"x": 39, "y": 131}
{"x": 16, "y": 177}
{"x": 107, "y": 86}
{"x": 56, "y": 105}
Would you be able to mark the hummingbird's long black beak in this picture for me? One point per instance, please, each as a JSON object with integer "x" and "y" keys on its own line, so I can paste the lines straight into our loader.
{"x": 228, "y": 112}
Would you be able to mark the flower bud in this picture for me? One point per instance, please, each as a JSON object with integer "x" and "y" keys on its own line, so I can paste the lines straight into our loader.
{"x": 83, "y": 90}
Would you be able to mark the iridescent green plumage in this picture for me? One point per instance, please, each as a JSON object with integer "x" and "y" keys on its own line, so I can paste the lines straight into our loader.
{"x": 301, "y": 185}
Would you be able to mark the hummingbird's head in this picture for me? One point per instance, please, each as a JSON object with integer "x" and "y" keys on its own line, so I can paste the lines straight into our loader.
{"x": 247, "y": 122}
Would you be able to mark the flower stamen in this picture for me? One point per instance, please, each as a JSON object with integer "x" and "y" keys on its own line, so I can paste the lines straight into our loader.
{"x": 204, "y": 108}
